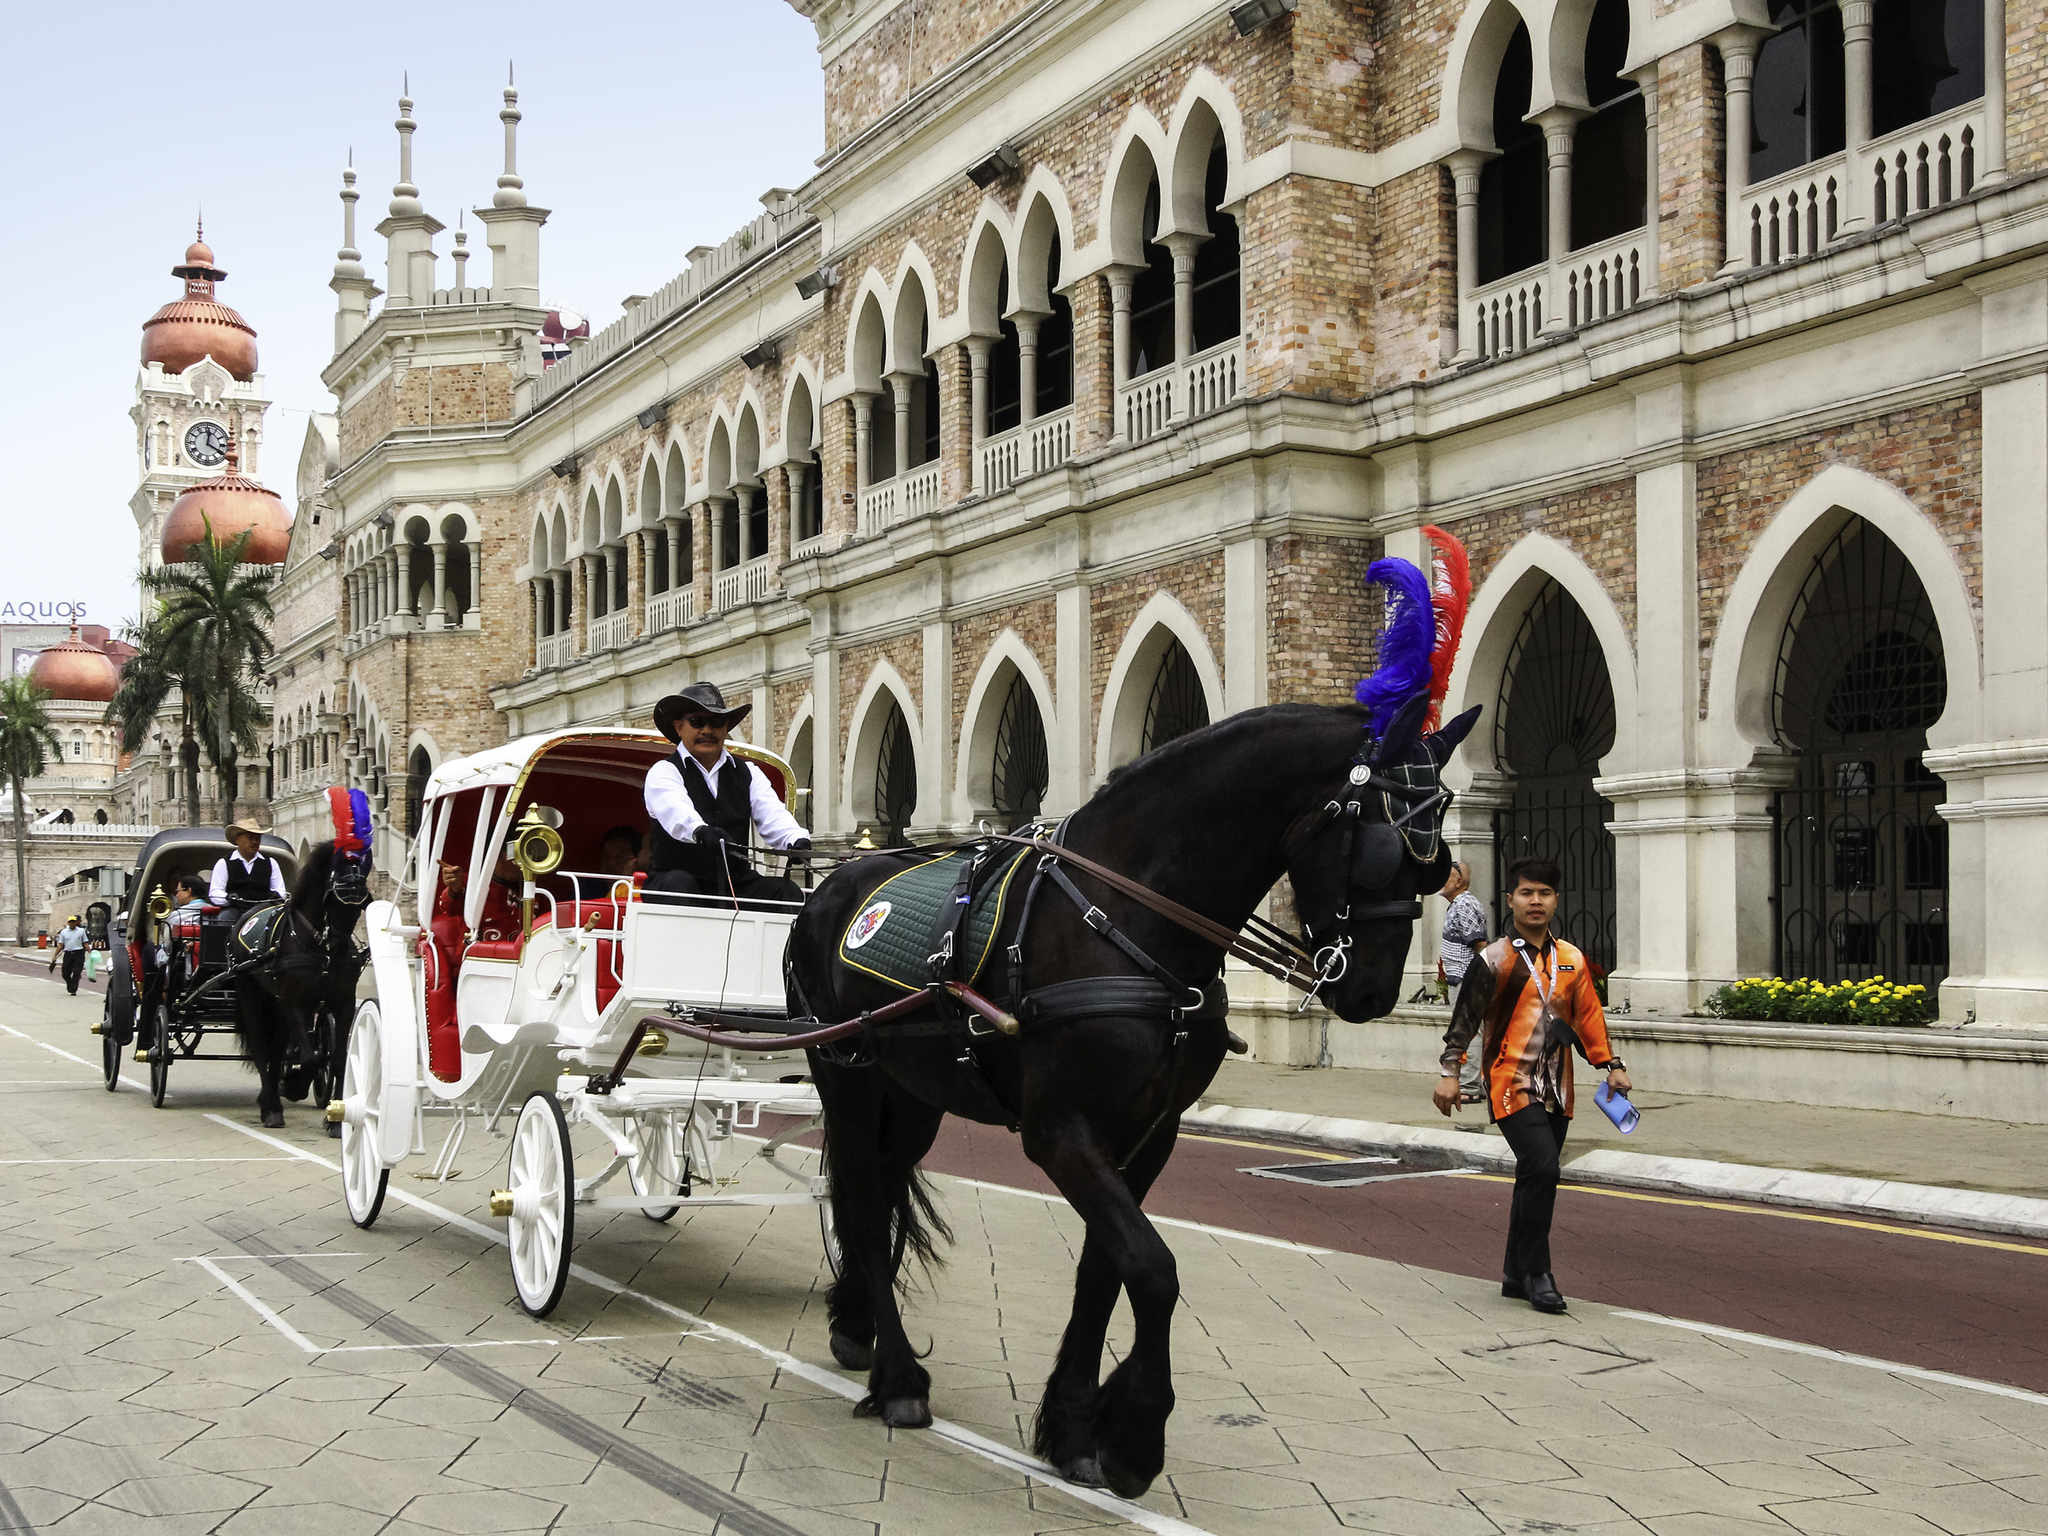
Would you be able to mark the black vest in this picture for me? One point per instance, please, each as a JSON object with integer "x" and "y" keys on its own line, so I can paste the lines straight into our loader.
{"x": 731, "y": 810}
{"x": 246, "y": 887}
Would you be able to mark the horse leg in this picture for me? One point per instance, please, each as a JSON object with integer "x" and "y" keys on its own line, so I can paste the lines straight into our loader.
{"x": 1064, "y": 1433}
{"x": 1132, "y": 1407}
{"x": 874, "y": 1138}
{"x": 263, "y": 1046}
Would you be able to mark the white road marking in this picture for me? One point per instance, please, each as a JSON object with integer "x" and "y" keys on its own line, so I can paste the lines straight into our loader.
{"x": 123, "y": 1079}
{"x": 271, "y": 1258}
{"x": 372, "y": 1349}
{"x": 22, "y": 1162}
{"x": 258, "y": 1305}
{"x": 842, "y": 1386}
{"x": 1819, "y": 1352}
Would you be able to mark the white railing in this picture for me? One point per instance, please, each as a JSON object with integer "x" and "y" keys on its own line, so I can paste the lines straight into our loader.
{"x": 914, "y": 493}
{"x": 1022, "y": 452}
{"x": 90, "y": 829}
{"x": 921, "y": 490}
{"x": 1503, "y": 317}
{"x": 671, "y": 609}
{"x": 1211, "y": 380}
{"x": 556, "y": 650}
{"x": 742, "y": 584}
{"x": 1144, "y": 405}
{"x": 804, "y": 549}
{"x": 1794, "y": 215}
{"x": 1606, "y": 279}
{"x": 878, "y": 506}
{"x": 1924, "y": 165}
{"x": 611, "y": 631}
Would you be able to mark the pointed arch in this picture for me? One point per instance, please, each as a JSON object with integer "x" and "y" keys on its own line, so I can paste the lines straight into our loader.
{"x": 799, "y": 418}
{"x": 867, "y": 339}
{"x": 1498, "y": 610}
{"x": 718, "y": 456}
{"x": 1135, "y": 158}
{"x": 537, "y": 547}
{"x": 647, "y": 503}
{"x": 558, "y": 538}
{"x": 911, "y": 318}
{"x": 614, "y": 509}
{"x": 746, "y": 441}
{"x": 1045, "y": 225}
{"x": 987, "y": 275}
{"x": 1158, "y": 624}
{"x": 883, "y": 689}
{"x": 1753, "y": 619}
{"x": 590, "y": 527}
{"x": 1206, "y": 112}
{"x": 1008, "y": 658}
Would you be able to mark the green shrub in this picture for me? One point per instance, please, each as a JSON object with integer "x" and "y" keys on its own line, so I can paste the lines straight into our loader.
{"x": 1772, "y": 999}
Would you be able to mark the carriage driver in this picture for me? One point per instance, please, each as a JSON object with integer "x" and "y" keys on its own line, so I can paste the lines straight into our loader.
{"x": 246, "y": 877}
{"x": 702, "y": 800}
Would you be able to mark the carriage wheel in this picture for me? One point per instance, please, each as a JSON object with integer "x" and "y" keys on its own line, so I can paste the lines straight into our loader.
{"x": 543, "y": 1220}
{"x": 363, "y": 1174}
{"x": 110, "y": 1048}
{"x": 655, "y": 1164}
{"x": 160, "y": 1054}
{"x": 324, "y": 1064}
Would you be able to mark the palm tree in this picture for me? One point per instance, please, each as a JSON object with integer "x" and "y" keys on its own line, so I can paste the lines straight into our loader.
{"x": 26, "y": 746}
{"x": 148, "y": 680}
{"x": 213, "y": 624}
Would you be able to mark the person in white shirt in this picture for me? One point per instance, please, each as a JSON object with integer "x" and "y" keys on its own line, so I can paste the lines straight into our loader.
{"x": 71, "y": 941}
{"x": 702, "y": 803}
{"x": 248, "y": 876}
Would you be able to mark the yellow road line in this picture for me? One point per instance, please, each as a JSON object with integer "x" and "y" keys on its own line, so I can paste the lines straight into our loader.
{"x": 1655, "y": 1199}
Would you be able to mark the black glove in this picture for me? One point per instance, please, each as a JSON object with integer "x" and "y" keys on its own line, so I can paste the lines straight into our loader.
{"x": 799, "y": 852}
{"x": 706, "y": 835}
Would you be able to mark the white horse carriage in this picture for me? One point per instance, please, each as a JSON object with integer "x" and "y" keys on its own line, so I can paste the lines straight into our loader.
{"x": 520, "y": 983}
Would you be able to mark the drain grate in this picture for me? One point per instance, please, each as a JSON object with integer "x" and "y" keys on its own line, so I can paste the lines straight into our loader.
{"x": 1345, "y": 1175}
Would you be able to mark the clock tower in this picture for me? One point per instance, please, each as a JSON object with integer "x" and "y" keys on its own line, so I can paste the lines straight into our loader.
{"x": 196, "y": 393}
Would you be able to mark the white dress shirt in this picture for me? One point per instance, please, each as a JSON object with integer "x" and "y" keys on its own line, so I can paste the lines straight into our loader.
{"x": 669, "y": 802}
{"x": 217, "y": 892}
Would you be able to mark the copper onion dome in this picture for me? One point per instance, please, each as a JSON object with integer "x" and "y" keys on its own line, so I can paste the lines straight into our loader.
{"x": 199, "y": 325}
{"x": 231, "y": 502}
{"x": 71, "y": 669}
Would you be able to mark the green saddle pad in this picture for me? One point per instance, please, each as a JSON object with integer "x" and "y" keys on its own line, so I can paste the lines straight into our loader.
{"x": 259, "y": 932}
{"x": 897, "y": 929}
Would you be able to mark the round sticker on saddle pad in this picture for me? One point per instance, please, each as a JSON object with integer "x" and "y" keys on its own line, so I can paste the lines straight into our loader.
{"x": 867, "y": 925}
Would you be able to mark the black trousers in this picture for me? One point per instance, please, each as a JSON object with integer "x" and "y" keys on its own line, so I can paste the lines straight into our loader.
{"x": 747, "y": 884}
{"x": 1536, "y": 1136}
{"x": 74, "y": 967}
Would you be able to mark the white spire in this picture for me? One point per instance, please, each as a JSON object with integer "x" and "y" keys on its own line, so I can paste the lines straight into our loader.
{"x": 511, "y": 189}
{"x": 461, "y": 254}
{"x": 348, "y": 261}
{"x": 405, "y": 197}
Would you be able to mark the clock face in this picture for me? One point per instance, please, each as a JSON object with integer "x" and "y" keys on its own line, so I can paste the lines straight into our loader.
{"x": 206, "y": 444}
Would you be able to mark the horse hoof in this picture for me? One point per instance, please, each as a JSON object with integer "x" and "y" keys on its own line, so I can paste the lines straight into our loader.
{"x": 333, "y": 1131}
{"x": 273, "y": 1119}
{"x": 907, "y": 1413}
{"x": 851, "y": 1352}
{"x": 1082, "y": 1471}
{"x": 1123, "y": 1482}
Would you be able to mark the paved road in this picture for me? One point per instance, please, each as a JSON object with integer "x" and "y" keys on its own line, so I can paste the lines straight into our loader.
{"x": 193, "y": 1338}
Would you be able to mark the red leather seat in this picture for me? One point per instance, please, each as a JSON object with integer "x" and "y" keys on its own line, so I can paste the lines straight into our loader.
{"x": 568, "y": 914}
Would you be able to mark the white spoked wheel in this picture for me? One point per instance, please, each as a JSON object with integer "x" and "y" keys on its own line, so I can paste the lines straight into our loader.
{"x": 655, "y": 1164}
{"x": 543, "y": 1219}
{"x": 363, "y": 1174}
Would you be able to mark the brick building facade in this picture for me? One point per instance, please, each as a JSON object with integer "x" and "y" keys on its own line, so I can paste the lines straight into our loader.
{"x": 1066, "y": 402}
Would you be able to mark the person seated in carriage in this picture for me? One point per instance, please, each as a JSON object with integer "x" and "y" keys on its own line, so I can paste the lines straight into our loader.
{"x": 188, "y": 901}
{"x": 702, "y": 801}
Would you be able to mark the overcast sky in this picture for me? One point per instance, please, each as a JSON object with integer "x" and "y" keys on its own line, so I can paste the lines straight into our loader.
{"x": 649, "y": 128}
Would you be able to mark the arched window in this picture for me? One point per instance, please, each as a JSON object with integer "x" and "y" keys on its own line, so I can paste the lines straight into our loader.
{"x": 1927, "y": 56}
{"x": 1152, "y": 295}
{"x": 1020, "y": 773}
{"x": 1514, "y": 185}
{"x": 1055, "y": 342}
{"x": 1861, "y": 860}
{"x": 1553, "y": 723}
{"x": 1610, "y": 176}
{"x": 1177, "y": 703}
{"x": 1796, "y": 101}
{"x": 418, "y": 768}
{"x": 895, "y": 781}
{"x": 1219, "y": 310}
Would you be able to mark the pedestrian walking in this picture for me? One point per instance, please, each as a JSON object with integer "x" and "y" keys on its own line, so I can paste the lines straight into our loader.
{"x": 72, "y": 940}
{"x": 1464, "y": 934}
{"x": 1528, "y": 998}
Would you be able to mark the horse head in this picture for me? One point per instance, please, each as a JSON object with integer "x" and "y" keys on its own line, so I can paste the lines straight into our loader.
{"x": 1363, "y": 858}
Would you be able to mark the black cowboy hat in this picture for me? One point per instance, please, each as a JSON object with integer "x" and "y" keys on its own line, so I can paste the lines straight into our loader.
{"x": 697, "y": 699}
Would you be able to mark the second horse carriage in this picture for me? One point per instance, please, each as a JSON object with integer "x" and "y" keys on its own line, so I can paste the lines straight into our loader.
{"x": 515, "y": 977}
{"x": 170, "y": 985}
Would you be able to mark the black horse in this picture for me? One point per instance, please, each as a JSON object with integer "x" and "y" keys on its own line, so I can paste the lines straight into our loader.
{"x": 295, "y": 999}
{"x": 1109, "y": 1054}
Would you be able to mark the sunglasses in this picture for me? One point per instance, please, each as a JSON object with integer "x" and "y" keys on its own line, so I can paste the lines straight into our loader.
{"x": 707, "y": 722}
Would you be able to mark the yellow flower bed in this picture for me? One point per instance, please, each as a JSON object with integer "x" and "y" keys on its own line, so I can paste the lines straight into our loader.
{"x": 1773, "y": 999}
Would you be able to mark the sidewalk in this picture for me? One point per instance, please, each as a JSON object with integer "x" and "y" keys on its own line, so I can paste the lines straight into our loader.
{"x": 1979, "y": 1174}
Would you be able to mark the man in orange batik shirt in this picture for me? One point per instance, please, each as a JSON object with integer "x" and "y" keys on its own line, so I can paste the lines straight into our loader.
{"x": 1529, "y": 998}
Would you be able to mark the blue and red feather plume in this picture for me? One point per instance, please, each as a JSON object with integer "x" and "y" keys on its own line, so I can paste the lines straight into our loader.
{"x": 1405, "y": 643}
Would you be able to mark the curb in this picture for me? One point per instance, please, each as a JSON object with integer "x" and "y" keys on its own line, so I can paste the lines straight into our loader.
{"x": 1927, "y": 1204}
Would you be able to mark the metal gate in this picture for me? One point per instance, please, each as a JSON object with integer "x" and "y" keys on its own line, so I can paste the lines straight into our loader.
{"x": 1176, "y": 704}
{"x": 1021, "y": 772}
{"x": 1552, "y": 724}
{"x": 1860, "y": 852}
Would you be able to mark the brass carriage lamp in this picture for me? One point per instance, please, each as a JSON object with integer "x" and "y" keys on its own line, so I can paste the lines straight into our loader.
{"x": 536, "y": 849}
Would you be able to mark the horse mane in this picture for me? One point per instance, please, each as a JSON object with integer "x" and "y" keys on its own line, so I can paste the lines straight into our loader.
{"x": 316, "y": 873}
{"x": 1168, "y": 765}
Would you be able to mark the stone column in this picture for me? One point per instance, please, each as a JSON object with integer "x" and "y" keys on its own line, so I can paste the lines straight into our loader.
{"x": 797, "y": 472}
{"x": 476, "y": 580}
{"x": 1120, "y": 281}
{"x": 396, "y": 579}
{"x": 1027, "y": 322}
{"x": 977, "y": 387}
{"x": 778, "y": 517}
{"x": 1183, "y": 246}
{"x": 1646, "y": 80}
{"x": 742, "y": 525}
{"x": 1465, "y": 166}
{"x": 1558, "y": 124}
{"x": 678, "y": 535}
{"x": 901, "y": 386}
{"x": 1859, "y": 19}
{"x": 702, "y": 522}
{"x": 1991, "y": 151}
{"x": 863, "y": 439}
{"x": 533, "y": 588}
{"x": 1738, "y": 66}
{"x": 440, "y": 581}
